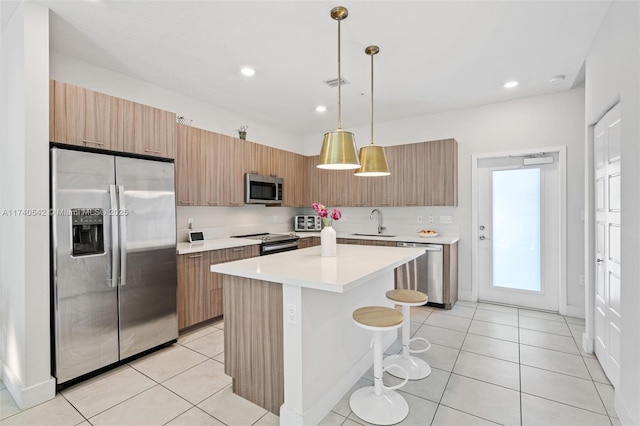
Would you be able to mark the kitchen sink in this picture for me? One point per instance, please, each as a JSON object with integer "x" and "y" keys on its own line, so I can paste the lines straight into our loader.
{"x": 374, "y": 235}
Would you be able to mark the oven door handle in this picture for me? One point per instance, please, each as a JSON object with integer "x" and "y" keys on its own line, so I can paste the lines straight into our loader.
{"x": 279, "y": 247}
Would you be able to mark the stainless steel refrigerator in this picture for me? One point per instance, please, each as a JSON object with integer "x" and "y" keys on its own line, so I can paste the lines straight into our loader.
{"x": 113, "y": 259}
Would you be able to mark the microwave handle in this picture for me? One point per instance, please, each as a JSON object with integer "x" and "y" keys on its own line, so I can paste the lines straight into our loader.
{"x": 277, "y": 185}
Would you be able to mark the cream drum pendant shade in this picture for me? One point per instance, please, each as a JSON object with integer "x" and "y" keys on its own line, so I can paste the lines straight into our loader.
{"x": 339, "y": 150}
{"x": 373, "y": 160}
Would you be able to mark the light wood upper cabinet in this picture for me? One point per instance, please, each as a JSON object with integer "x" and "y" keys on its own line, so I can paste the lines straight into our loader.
{"x": 213, "y": 165}
{"x": 149, "y": 131}
{"x": 86, "y": 118}
{"x": 233, "y": 164}
{"x": 83, "y": 117}
{"x": 409, "y": 171}
{"x": 441, "y": 177}
{"x": 189, "y": 166}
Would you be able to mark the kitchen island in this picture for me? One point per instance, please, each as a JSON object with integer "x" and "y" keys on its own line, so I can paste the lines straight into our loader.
{"x": 290, "y": 343}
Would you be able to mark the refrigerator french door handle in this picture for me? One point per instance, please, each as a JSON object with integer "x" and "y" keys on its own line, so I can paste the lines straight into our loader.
{"x": 122, "y": 217}
{"x": 114, "y": 236}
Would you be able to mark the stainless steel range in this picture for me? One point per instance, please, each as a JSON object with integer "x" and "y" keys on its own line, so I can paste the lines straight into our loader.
{"x": 274, "y": 243}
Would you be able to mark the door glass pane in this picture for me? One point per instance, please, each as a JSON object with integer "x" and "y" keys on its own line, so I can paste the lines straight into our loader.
{"x": 516, "y": 229}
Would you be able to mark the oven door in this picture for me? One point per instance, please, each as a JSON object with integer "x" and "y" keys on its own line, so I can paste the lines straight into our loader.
{"x": 278, "y": 247}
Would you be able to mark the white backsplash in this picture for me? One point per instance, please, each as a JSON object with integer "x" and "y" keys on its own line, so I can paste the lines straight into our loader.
{"x": 223, "y": 222}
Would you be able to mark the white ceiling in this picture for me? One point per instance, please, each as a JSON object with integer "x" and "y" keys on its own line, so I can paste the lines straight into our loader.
{"x": 434, "y": 56}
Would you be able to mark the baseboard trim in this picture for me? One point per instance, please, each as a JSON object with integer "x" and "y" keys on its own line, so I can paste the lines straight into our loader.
{"x": 587, "y": 343}
{"x": 26, "y": 397}
{"x": 467, "y": 296}
{"x": 626, "y": 416}
{"x": 574, "y": 311}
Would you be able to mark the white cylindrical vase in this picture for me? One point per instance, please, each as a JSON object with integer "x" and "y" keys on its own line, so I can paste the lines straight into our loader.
{"x": 328, "y": 242}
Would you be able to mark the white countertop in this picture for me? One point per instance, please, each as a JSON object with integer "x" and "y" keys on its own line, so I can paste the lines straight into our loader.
{"x": 410, "y": 238}
{"x": 223, "y": 243}
{"x": 354, "y": 265}
{"x": 215, "y": 244}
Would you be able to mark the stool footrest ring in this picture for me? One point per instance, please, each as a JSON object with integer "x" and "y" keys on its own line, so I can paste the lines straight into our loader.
{"x": 406, "y": 377}
{"x": 419, "y": 351}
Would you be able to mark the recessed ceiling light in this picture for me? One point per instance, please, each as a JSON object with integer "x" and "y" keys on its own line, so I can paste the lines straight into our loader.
{"x": 510, "y": 84}
{"x": 321, "y": 108}
{"x": 248, "y": 71}
{"x": 557, "y": 78}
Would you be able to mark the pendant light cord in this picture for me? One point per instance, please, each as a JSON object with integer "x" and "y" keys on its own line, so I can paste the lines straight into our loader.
{"x": 339, "y": 84}
{"x": 372, "y": 99}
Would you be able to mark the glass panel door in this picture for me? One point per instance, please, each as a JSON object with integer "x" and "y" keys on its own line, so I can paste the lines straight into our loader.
{"x": 516, "y": 229}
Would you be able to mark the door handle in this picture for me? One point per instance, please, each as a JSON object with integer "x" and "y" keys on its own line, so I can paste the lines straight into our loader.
{"x": 115, "y": 245}
{"x": 123, "y": 235}
{"x": 598, "y": 260}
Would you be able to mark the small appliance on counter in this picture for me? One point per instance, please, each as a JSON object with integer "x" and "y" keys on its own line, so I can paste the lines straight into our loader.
{"x": 307, "y": 223}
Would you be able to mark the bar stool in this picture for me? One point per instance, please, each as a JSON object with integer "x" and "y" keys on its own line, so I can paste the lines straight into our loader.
{"x": 379, "y": 404}
{"x": 412, "y": 366}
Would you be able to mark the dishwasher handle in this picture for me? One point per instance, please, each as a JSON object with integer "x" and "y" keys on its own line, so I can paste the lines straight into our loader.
{"x": 426, "y": 247}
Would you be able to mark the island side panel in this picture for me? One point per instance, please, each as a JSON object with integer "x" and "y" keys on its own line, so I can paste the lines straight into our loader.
{"x": 253, "y": 340}
{"x": 325, "y": 351}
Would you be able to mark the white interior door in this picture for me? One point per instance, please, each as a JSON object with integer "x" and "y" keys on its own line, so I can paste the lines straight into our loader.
{"x": 607, "y": 232}
{"x": 519, "y": 231}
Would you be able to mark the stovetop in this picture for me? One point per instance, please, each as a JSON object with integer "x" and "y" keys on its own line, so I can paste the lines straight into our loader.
{"x": 266, "y": 237}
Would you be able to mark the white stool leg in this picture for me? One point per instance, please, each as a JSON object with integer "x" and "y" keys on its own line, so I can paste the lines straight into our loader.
{"x": 406, "y": 332}
{"x": 379, "y": 404}
{"x": 416, "y": 368}
{"x": 377, "y": 362}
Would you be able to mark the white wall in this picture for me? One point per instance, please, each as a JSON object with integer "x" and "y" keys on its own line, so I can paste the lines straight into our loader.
{"x": 613, "y": 72}
{"x": 205, "y": 116}
{"x": 24, "y": 172}
{"x": 536, "y": 122}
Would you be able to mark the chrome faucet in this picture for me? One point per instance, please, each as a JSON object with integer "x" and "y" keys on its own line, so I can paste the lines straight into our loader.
{"x": 380, "y": 227}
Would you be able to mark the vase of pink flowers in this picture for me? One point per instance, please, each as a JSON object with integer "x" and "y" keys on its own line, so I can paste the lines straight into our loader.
{"x": 328, "y": 234}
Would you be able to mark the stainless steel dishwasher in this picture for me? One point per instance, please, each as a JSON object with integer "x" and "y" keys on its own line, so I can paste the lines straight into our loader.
{"x": 425, "y": 273}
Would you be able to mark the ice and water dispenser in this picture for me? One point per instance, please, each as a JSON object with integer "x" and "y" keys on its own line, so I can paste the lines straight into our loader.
{"x": 87, "y": 231}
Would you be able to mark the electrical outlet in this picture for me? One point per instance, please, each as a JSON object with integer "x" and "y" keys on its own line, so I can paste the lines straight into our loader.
{"x": 292, "y": 314}
{"x": 190, "y": 223}
{"x": 419, "y": 219}
{"x": 430, "y": 218}
{"x": 581, "y": 278}
{"x": 445, "y": 219}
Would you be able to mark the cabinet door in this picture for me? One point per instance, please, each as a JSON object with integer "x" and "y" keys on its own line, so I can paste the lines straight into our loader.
{"x": 441, "y": 184}
{"x": 189, "y": 166}
{"x": 410, "y": 169}
{"x": 149, "y": 131}
{"x": 193, "y": 289}
{"x": 87, "y": 118}
{"x": 214, "y": 163}
{"x": 234, "y": 160}
{"x": 215, "y": 286}
{"x": 261, "y": 159}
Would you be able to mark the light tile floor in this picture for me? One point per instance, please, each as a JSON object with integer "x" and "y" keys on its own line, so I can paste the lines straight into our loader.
{"x": 490, "y": 364}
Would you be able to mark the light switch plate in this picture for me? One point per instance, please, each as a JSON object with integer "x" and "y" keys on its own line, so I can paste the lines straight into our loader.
{"x": 445, "y": 219}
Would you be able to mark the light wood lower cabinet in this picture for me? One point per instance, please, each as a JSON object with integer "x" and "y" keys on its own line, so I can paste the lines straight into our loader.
{"x": 308, "y": 242}
{"x": 200, "y": 291}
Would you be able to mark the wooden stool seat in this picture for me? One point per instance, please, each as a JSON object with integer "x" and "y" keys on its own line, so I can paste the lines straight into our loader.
{"x": 407, "y": 296}
{"x": 378, "y": 316}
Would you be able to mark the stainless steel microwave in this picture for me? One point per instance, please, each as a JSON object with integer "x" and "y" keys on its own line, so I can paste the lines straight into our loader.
{"x": 259, "y": 189}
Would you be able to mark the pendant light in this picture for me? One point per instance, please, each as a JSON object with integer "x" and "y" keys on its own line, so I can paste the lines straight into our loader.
{"x": 373, "y": 161}
{"x": 339, "y": 151}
